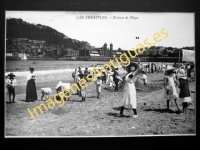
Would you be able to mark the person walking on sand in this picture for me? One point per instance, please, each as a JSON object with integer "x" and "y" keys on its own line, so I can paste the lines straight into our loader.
{"x": 11, "y": 84}
{"x": 152, "y": 67}
{"x": 129, "y": 93}
{"x": 169, "y": 85}
{"x": 31, "y": 92}
{"x": 78, "y": 79}
{"x": 98, "y": 83}
{"x": 83, "y": 90}
{"x": 184, "y": 94}
{"x": 115, "y": 79}
{"x": 74, "y": 75}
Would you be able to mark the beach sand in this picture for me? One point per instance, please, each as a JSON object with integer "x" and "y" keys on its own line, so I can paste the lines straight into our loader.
{"x": 97, "y": 117}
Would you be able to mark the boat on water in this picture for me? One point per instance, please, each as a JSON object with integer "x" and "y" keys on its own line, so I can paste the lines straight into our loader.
{"x": 24, "y": 57}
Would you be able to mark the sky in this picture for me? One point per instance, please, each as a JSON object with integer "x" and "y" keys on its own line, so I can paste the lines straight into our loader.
{"x": 116, "y": 29}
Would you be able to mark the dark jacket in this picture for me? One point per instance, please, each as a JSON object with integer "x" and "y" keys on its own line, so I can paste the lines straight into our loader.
{"x": 184, "y": 88}
{"x": 114, "y": 76}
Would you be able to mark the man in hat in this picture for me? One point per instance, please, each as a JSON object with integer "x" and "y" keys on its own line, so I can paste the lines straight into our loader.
{"x": 10, "y": 84}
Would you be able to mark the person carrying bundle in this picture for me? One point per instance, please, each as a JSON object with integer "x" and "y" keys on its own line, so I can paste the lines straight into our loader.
{"x": 144, "y": 77}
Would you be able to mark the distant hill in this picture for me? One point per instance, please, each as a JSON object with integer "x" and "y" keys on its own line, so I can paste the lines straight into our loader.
{"x": 17, "y": 28}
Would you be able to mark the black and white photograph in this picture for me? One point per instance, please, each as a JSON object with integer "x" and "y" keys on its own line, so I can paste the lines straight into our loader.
{"x": 99, "y": 74}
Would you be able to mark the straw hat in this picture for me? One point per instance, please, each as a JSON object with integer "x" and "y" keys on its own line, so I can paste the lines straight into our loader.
{"x": 169, "y": 68}
{"x": 59, "y": 84}
{"x": 181, "y": 73}
{"x": 11, "y": 75}
{"x": 128, "y": 68}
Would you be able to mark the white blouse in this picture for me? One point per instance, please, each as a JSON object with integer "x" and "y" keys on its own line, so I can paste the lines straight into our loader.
{"x": 29, "y": 75}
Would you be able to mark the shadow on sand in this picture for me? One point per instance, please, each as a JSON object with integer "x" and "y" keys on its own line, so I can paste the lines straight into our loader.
{"x": 23, "y": 100}
{"x": 118, "y": 108}
{"x": 164, "y": 111}
{"x": 29, "y": 101}
{"x": 117, "y": 115}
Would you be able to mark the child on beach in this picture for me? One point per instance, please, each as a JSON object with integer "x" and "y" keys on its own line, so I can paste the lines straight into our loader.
{"x": 184, "y": 94}
{"x": 11, "y": 83}
{"x": 98, "y": 83}
{"x": 144, "y": 78}
{"x": 169, "y": 85}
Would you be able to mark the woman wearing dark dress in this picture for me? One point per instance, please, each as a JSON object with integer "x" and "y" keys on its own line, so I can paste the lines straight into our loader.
{"x": 31, "y": 93}
{"x": 184, "y": 94}
{"x": 116, "y": 80}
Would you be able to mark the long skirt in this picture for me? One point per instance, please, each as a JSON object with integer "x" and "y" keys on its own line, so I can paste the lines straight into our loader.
{"x": 186, "y": 99}
{"x": 83, "y": 92}
{"x": 98, "y": 89}
{"x": 129, "y": 96}
{"x": 31, "y": 93}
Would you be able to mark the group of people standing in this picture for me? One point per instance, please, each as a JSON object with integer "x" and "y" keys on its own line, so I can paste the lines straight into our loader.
{"x": 177, "y": 77}
{"x": 31, "y": 92}
{"x": 172, "y": 77}
{"x": 110, "y": 78}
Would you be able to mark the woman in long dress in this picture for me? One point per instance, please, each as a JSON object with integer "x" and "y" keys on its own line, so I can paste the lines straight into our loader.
{"x": 129, "y": 93}
{"x": 31, "y": 93}
{"x": 184, "y": 94}
{"x": 170, "y": 92}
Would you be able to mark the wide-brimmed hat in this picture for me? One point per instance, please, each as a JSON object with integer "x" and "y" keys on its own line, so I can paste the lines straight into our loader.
{"x": 170, "y": 69}
{"x": 128, "y": 68}
{"x": 11, "y": 75}
{"x": 59, "y": 84}
{"x": 181, "y": 73}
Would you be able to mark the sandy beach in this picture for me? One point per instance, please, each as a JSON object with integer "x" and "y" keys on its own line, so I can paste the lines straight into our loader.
{"x": 97, "y": 117}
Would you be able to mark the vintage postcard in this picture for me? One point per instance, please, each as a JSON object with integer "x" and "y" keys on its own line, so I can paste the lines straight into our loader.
{"x": 99, "y": 74}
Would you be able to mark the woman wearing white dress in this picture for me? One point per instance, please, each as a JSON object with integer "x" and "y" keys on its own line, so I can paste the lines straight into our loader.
{"x": 170, "y": 92}
{"x": 129, "y": 93}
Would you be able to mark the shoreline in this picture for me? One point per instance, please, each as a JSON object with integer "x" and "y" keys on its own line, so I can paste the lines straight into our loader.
{"x": 19, "y": 73}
